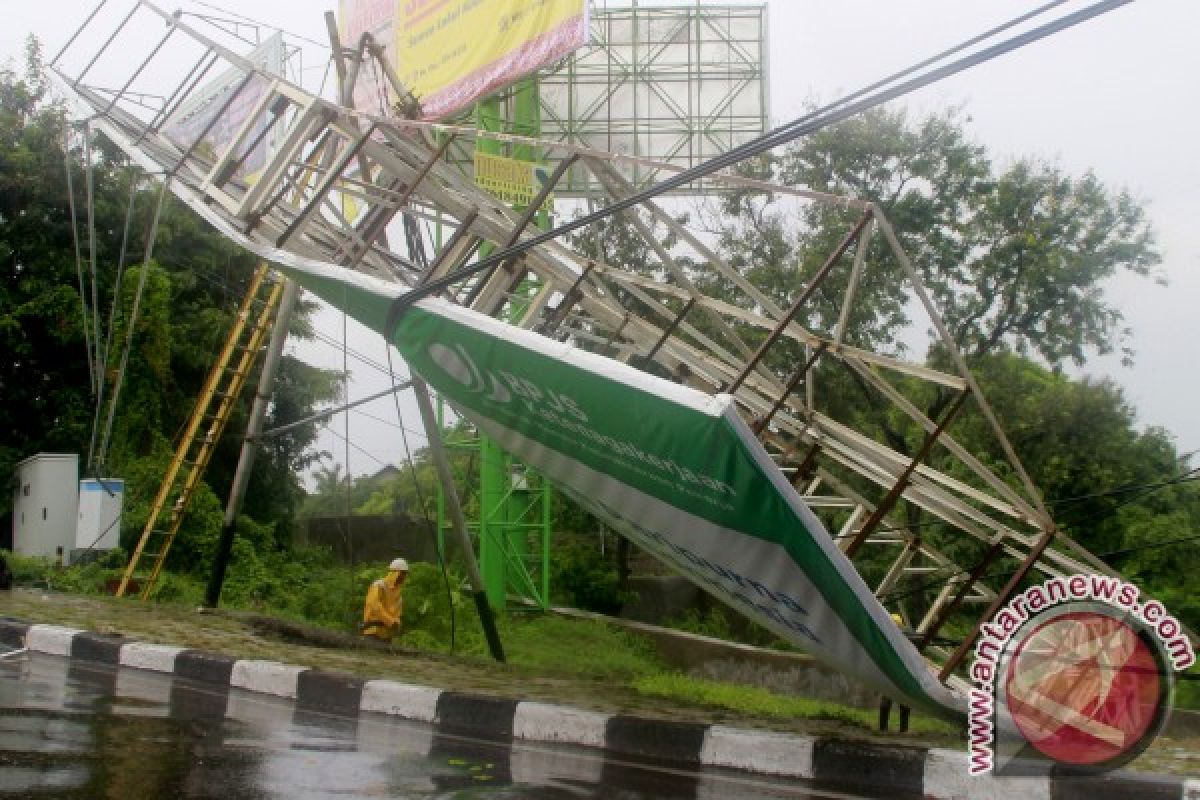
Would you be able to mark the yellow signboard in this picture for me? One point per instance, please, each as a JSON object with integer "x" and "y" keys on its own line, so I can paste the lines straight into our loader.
{"x": 450, "y": 53}
{"x": 515, "y": 182}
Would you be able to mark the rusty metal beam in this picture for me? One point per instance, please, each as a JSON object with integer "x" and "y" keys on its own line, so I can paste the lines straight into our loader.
{"x": 902, "y": 482}
{"x": 947, "y": 610}
{"x": 1001, "y": 598}
{"x": 815, "y": 282}
{"x": 761, "y": 424}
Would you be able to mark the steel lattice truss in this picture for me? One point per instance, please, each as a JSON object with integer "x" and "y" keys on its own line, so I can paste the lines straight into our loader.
{"x": 339, "y": 179}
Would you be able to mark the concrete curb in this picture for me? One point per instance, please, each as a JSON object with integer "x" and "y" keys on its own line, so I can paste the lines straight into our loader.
{"x": 837, "y": 764}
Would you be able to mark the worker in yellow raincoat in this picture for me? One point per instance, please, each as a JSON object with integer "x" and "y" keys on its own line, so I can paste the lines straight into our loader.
{"x": 384, "y": 606}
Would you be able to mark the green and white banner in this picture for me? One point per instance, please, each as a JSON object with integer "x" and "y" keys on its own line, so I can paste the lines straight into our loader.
{"x": 675, "y": 470}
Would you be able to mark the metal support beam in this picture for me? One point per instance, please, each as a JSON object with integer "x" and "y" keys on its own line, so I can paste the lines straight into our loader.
{"x": 1003, "y": 597}
{"x": 902, "y": 482}
{"x": 212, "y": 122}
{"x": 336, "y": 53}
{"x": 860, "y": 257}
{"x": 107, "y": 42}
{"x": 185, "y": 87}
{"x": 145, "y": 63}
{"x": 570, "y": 298}
{"x": 457, "y": 250}
{"x": 382, "y": 215}
{"x": 964, "y": 589}
{"x": 331, "y": 177}
{"x": 815, "y": 282}
{"x": 75, "y": 35}
{"x": 437, "y": 451}
{"x": 408, "y": 105}
{"x": 965, "y": 372}
{"x": 896, "y": 571}
{"x": 514, "y": 236}
{"x": 250, "y": 445}
{"x": 666, "y": 334}
{"x": 761, "y": 424}
{"x": 329, "y": 412}
{"x": 806, "y": 468}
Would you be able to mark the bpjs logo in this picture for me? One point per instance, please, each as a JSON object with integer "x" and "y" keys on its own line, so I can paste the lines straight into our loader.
{"x": 501, "y": 386}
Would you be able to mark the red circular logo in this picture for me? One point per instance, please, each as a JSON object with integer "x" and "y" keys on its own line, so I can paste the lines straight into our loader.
{"x": 1086, "y": 688}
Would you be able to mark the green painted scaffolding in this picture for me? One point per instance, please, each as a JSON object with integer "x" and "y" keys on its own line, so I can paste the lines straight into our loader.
{"x": 509, "y": 511}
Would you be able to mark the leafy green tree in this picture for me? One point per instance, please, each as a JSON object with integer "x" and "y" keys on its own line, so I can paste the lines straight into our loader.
{"x": 44, "y": 378}
{"x": 191, "y": 290}
{"x": 1015, "y": 258}
{"x": 335, "y": 494}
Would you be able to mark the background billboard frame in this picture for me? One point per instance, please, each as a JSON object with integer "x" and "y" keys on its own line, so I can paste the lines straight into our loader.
{"x": 621, "y": 93}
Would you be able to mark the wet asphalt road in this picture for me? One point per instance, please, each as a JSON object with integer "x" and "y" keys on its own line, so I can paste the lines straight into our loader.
{"x": 76, "y": 729}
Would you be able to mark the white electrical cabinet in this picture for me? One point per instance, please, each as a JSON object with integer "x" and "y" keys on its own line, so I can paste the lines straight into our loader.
{"x": 100, "y": 502}
{"x": 45, "y": 505}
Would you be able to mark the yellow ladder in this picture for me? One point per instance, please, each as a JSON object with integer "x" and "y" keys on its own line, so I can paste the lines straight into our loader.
{"x": 222, "y": 387}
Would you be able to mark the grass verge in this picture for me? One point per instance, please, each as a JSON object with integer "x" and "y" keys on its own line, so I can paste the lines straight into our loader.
{"x": 754, "y": 700}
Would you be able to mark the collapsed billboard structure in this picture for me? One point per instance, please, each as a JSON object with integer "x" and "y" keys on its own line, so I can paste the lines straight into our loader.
{"x": 688, "y": 420}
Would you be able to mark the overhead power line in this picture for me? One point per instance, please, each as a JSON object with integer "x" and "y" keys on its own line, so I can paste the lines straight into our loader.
{"x": 260, "y": 24}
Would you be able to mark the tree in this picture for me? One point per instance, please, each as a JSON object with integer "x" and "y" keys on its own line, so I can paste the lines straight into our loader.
{"x": 191, "y": 292}
{"x": 1015, "y": 259}
{"x": 1114, "y": 488}
{"x": 43, "y": 379}
{"x": 336, "y": 494}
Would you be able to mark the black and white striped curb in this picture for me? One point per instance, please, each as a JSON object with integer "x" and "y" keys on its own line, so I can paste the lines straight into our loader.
{"x": 839, "y": 764}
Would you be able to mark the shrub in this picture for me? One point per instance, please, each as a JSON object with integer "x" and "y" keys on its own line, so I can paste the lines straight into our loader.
{"x": 722, "y": 623}
{"x": 427, "y": 607}
{"x": 583, "y": 577}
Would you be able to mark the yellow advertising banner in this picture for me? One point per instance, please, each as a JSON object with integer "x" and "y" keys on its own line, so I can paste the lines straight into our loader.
{"x": 515, "y": 182}
{"x": 453, "y": 52}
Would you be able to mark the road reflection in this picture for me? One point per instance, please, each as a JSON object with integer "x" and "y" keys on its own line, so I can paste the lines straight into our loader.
{"x": 76, "y": 729}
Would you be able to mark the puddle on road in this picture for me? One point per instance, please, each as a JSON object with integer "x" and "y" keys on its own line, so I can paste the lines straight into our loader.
{"x": 76, "y": 730}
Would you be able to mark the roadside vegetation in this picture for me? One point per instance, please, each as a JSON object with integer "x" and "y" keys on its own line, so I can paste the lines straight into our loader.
{"x": 755, "y": 700}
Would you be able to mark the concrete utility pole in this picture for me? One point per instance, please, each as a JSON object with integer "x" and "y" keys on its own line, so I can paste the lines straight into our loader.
{"x": 434, "y": 434}
{"x": 258, "y": 411}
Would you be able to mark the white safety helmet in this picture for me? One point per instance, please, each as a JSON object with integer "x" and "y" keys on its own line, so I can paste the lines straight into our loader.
{"x": 398, "y": 565}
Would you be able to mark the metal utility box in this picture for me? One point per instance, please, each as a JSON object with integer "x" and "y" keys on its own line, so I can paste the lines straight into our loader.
{"x": 100, "y": 502}
{"x": 45, "y": 505}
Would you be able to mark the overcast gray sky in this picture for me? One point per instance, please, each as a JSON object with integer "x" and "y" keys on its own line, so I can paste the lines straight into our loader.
{"x": 1115, "y": 95}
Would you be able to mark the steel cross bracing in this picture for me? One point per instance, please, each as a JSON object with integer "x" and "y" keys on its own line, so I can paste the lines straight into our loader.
{"x": 338, "y": 178}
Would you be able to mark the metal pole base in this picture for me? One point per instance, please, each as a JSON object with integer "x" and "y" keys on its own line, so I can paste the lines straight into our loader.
{"x": 488, "y": 621}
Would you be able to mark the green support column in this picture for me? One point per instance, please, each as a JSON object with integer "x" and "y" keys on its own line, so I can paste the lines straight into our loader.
{"x": 527, "y": 121}
{"x": 489, "y": 116}
{"x": 493, "y": 521}
{"x": 514, "y": 503}
{"x": 514, "y": 528}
